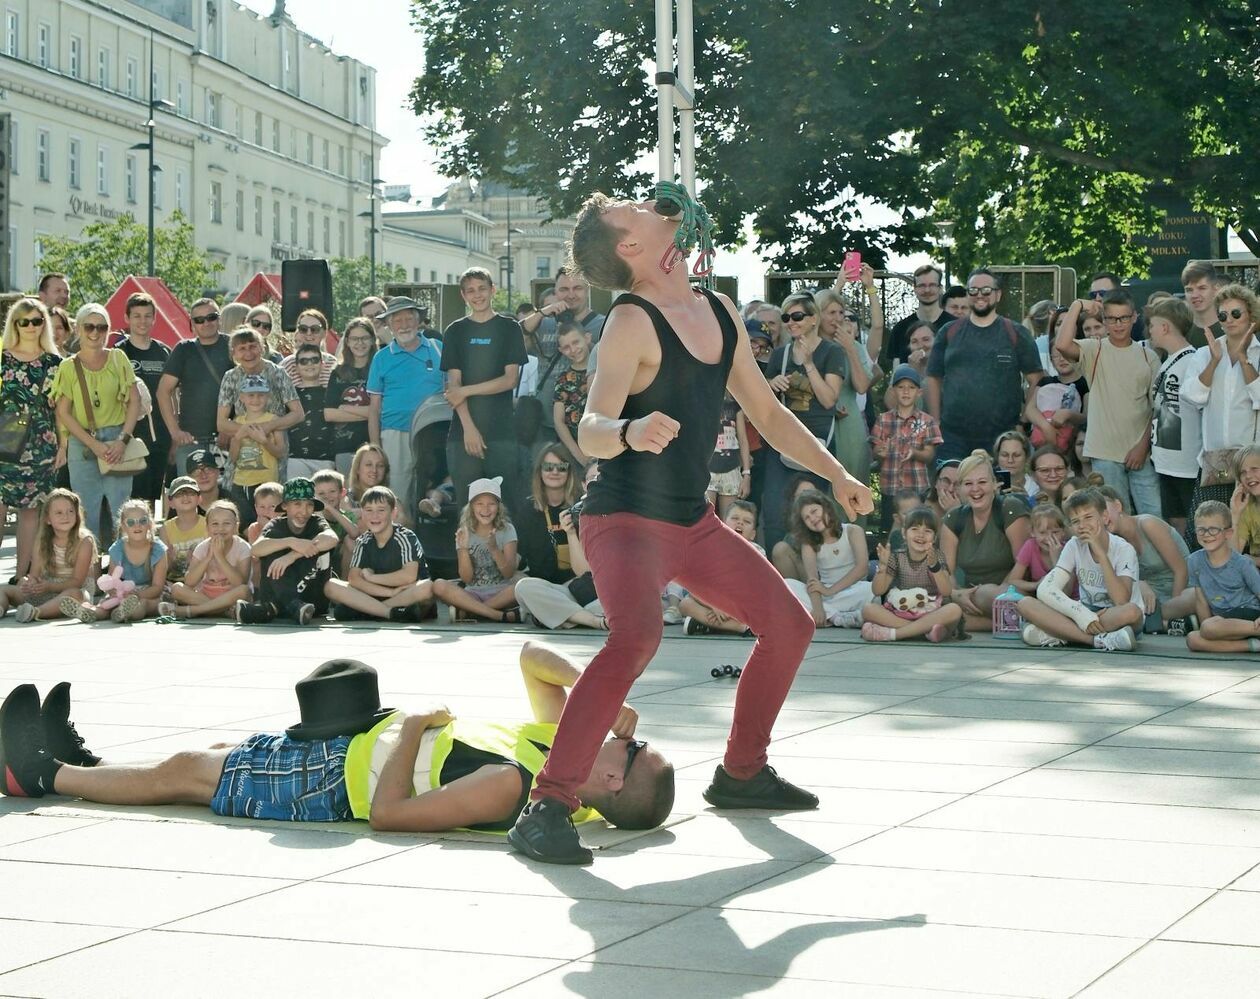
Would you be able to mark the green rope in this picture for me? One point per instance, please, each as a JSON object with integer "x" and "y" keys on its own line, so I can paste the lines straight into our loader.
{"x": 695, "y": 228}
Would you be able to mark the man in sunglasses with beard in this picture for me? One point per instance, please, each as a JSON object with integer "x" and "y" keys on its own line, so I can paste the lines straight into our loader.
{"x": 349, "y": 758}
{"x": 195, "y": 367}
{"x": 976, "y": 372}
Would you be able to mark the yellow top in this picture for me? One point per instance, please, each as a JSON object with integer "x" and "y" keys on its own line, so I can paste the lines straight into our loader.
{"x": 254, "y": 463}
{"x": 108, "y": 389}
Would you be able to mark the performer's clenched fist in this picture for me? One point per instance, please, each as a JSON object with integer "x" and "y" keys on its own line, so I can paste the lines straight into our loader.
{"x": 653, "y": 432}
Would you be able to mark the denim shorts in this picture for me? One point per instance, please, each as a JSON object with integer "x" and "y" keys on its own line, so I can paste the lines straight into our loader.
{"x": 275, "y": 777}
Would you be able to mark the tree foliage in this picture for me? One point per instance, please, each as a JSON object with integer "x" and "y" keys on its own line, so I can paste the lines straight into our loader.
{"x": 352, "y": 282}
{"x": 107, "y": 252}
{"x": 1040, "y": 129}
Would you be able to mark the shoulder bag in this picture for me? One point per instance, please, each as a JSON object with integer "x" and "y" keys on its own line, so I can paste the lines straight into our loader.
{"x": 15, "y": 431}
{"x": 136, "y": 453}
{"x": 792, "y": 463}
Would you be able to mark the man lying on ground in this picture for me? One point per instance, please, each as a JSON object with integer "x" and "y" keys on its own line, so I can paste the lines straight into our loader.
{"x": 350, "y": 758}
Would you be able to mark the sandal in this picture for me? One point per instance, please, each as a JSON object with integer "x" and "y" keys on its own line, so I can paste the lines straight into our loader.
{"x": 510, "y": 617}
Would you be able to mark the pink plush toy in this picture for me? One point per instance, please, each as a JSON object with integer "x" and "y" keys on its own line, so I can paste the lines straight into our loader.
{"x": 115, "y": 586}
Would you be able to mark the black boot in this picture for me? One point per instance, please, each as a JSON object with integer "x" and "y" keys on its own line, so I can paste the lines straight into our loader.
{"x": 27, "y": 770}
{"x": 60, "y": 736}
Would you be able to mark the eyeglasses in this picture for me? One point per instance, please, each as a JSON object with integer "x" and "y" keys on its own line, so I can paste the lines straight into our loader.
{"x": 136, "y": 522}
{"x": 760, "y": 346}
{"x": 211, "y": 317}
{"x": 1118, "y": 320}
{"x": 308, "y": 360}
{"x": 1209, "y": 532}
{"x": 555, "y": 466}
{"x": 94, "y": 327}
{"x": 794, "y": 317}
{"x": 1235, "y": 313}
{"x": 1098, "y": 293}
{"x": 35, "y": 321}
{"x": 981, "y": 292}
{"x": 305, "y": 328}
{"x": 258, "y": 324}
{"x": 360, "y": 339}
{"x": 1051, "y": 470}
{"x": 632, "y": 750}
{"x": 924, "y": 286}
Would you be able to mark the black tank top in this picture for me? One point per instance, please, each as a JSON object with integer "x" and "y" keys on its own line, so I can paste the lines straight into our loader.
{"x": 669, "y": 486}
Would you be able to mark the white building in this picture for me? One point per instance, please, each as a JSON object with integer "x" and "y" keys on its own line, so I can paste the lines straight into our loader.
{"x": 268, "y": 147}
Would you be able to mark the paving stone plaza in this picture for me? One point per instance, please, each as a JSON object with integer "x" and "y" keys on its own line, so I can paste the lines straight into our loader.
{"x": 995, "y": 821}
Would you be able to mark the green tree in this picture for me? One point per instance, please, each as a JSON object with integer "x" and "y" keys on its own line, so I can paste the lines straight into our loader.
{"x": 107, "y": 252}
{"x": 352, "y": 282}
{"x": 1040, "y": 130}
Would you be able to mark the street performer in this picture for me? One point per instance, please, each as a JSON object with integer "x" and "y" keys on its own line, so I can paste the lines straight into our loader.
{"x": 668, "y": 353}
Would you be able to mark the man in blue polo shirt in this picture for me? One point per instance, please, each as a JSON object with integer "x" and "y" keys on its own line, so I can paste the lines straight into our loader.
{"x": 403, "y": 374}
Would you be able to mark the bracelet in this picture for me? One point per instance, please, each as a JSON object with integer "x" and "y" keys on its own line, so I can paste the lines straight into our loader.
{"x": 746, "y": 471}
{"x": 621, "y": 435}
{"x": 935, "y": 568}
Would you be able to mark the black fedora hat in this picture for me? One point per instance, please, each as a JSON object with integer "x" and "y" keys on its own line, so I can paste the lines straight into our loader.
{"x": 341, "y": 697}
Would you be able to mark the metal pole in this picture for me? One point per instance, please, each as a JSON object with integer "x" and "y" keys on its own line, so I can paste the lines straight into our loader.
{"x": 372, "y": 207}
{"x": 152, "y": 169}
{"x": 665, "y": 89}
{"x": 686, "y": 105}
{"x": 509, "y": 247}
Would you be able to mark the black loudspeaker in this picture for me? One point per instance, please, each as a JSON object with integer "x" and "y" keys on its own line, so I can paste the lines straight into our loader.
{"x": 305, "y": 284}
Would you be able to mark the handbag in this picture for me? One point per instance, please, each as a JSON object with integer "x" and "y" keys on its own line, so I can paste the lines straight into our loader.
{"x": 15, "y": 431}
{"x": 792, "y": 463}
{"x": 582, "y": 589}
{"x": 135, "y": 457}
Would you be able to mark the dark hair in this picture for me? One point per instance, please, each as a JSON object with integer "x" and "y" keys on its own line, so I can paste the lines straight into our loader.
{"x": 1087, "y": 497}
{"x": 643, "y": 802}
{"x": 302, "y": 348}
{"x": 1174, "y": 310}
{"x": 592, "y": 248}
{"x": 47, "y": 279}
{"x": 476, "y": 274}
{"x": 202, "y": 303}
{"x": 802, "y": 534}
{"x": 907, "y": 492}
{"x": 323, "y": 320}
{"x": 138, "y": 300}
{"x": 363, "y": 303}
{"x": 1193, "y": 271}
{"x": 984, "y": 270}
{"x": 379, "y": 494}
{"x": 1106, "y": 276}
{"x": 1117, "y": 297}
{"x": 345, "y": 359}
{"x": 748, "y": 506}
{"x": 955, "y": 291}
{"x": 921, "y": 516}
{"x": 917, "y": 325}
{"x": 940, "y": 276}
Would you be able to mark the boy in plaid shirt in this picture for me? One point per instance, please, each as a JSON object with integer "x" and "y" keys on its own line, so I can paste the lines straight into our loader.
{"x": 905, "y": 438}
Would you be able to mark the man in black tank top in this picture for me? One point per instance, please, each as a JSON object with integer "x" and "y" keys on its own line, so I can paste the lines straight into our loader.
{"x": 667, "y": 355}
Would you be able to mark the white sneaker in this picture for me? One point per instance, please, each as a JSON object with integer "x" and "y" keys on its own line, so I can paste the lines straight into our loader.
{"x": 672, "y": 615}
{"x": 1116, "y": 641}
{"x": 452, "y": 614}
{"x": 1040, "y": 639}
{"x": 850, "y": 619}
{"x": 167, "y": 608}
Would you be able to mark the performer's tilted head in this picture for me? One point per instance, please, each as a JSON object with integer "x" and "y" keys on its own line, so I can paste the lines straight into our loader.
{"x": 613, "y": 239}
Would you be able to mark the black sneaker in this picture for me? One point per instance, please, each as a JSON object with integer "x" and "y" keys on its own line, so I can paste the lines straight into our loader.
{"x": 544, "y": 831}
{"x": 1177, "y": 627}
{"x": 60, "y": 736}
{"x": 244, "y": 612}
{"x": 693, "y": 627}
{"x": 404, "y": 615}
{"x": 305, "y": 614}
{"x": 24, "y": 763}
{"x": 766, "y": 790}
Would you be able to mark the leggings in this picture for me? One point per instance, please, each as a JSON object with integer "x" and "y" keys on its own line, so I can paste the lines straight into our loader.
{"x": 633, "y": 558}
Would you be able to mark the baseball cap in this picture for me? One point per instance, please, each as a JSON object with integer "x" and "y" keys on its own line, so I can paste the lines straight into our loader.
{"x": 201, "y": 458}
{"x": 254, "y": 383}
{"x": 183, "y": 483}
{"x": 757, "y": 330}
{"x": 906, "y": 372}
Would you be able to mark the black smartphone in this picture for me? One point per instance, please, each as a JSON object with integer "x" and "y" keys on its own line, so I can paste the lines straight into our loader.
{"x": 1004, "y": 479}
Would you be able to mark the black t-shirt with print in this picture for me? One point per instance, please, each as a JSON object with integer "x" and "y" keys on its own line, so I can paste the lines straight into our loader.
{"x": 403, "y": 547}
{"x": 799, "y": 398}
{"x": 310, "y": 438}
{"x": 278, "y": 529}
{"x": 481, "y": 352}
{"x": 347, "y": 387}
{"x": 148, "y": 364}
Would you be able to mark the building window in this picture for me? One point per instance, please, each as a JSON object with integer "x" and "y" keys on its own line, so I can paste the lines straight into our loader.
{"x": 155, "y": 90}
{"x": 43, "y": 155}
{"x": 240, "y": 211}
{"x": 258, "y": 215}
{"x": 341, "y": 237}
{"x": 293, "y": 225}
{"x": 43, "y": 46}
{"x": 129, "y": 179}
{"x": 180, "y": 204}
{"x": 74, "y": 159}
{"x": 310, "y": 230}
{"x": 327, "y": 235}
{"x": 542, "y": 267}
{"x": 181, "y": 101}
{"x": 76, "y": 58}
{"x": 212, "y": 110}
{"x": 415, "y": 274}
{"x": 12, "y": 34}
{"x": 275, "y": 221}
{"x": 310, "y": 148}
{"x": 14, "y": 152}
{"x": 240, "y": 128}
{"x": 258, "y": 128}
{"x": 324, "y": 159}
{"x": 365, "y": 168}
{"x": 102, "y": 69}
{"x": 293, "y": 143}
{"x": 275, "y": 136}
{"x": 102, "y": 170}
{"x": 216, "y": 202}
{"x": 433, "y": 277}
{"x": 341, "y": 161}
{"x": 132, "y": 76}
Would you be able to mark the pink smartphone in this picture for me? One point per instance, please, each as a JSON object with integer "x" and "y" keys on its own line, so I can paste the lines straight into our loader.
{"x": 852, "y": 266}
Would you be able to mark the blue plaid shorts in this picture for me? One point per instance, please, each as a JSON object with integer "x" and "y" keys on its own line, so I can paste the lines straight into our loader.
{"x": 275, "y": 777}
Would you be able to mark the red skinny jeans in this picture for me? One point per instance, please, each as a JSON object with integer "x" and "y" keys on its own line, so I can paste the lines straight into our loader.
{"x": 633, "y": 558}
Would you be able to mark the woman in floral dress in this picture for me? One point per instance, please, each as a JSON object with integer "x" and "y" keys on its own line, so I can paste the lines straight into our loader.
{"x": 28, "y": 364}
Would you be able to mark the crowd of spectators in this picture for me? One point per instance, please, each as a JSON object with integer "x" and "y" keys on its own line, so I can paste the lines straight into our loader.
{"x": 390, "y": 469}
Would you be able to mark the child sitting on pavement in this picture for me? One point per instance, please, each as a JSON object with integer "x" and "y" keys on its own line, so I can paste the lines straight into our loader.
{"x": 184, "y": 531}
{"x": 219, "y": 571}
{"x": 266, "y": 506}
{"x": 1105, "y": 567}
{"x": 63, "y": 565}
{"x": 485, "y": 545}
{"x": 698, "y": 617}
{"x": 387, "y": 577}
{"x": 1227, "y": 585}
{"x": 143, "y": 560}
{"x": 330, "y": 489}
{"x": 915, "y": 564}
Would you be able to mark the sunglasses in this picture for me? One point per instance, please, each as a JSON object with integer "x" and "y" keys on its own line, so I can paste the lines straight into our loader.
{"x": 632, "y": 750}
{"x": 212, "y": 317}
{"x": 555, "y": 466}
{"x": 1097, "y": 294}
{"x": 258, "y": 324}
{"x": 1209, "y": 532}
{"x": 795, "y": 317}
{"x": 35, "y": 321}
{"x": 136, "y": 521}
{"x": 304, "y": 328}
{"x": 308, "y": 360}
{"x": 981, "y": 292}
{"x": 1234, "y": 313}
{"x": 94, "y": 327}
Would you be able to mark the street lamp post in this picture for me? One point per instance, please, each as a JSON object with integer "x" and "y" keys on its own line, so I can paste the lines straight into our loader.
{"x": 154, "y": 106}
{"x": 946, "y": 229}
{"x": 510, "y": 263}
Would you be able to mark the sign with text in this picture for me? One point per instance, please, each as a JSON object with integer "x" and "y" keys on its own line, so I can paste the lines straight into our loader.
{"x": 6, "y": 249}
{"x": 1184, "y": 235}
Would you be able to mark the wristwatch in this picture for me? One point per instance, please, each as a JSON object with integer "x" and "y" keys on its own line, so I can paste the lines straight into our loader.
{"x": 126, "y": 438}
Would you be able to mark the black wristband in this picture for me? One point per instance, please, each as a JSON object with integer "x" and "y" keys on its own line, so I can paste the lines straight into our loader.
{"x": 935, "y": 568}
{"x": 621, "y": 434}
